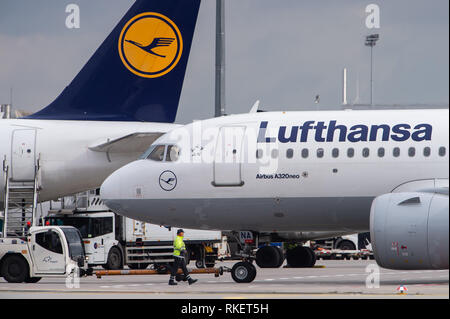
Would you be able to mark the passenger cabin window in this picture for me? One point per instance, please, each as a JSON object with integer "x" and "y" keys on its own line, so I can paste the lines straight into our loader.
{"x": 412, "y": 151}
{"x": 396, "y": 152}
{"x": 351, "y": 152}
{"x": 381, "y": 152}
{"x": 335, "y": 152}
{"x": 274, "y": 153}
{"x": 305, "y": 153}
{"x": 427, "y": 151}
{"x": 320, "y": 152}
{"x": 442, "y": 151}
{"x": 290, "y": 153}
{"x": 366, "y": 152}
{"x": 259, "y": 153}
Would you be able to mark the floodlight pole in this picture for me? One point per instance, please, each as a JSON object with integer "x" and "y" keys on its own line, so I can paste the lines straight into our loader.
{"x": 371, "y": 41}
{"x": 220, "y": 58}
{"x": 371, "y": 75}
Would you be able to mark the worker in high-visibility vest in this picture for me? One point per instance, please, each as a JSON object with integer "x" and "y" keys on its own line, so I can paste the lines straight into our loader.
{"x": 179, "y": 251}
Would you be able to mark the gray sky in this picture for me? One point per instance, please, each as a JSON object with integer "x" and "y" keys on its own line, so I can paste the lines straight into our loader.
{"x": 282, "y": 52}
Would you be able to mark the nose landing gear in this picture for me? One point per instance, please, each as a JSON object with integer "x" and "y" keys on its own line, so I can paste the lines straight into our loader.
{"x": 243, "y": 272}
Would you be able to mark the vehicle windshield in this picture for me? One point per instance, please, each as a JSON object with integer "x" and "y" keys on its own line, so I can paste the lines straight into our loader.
{"x": 89, "y": 227}
{"x": 75, "y": 243}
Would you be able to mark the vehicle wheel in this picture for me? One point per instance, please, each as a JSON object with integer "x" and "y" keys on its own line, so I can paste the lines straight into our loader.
{"x": 15, "y": 269}
{"x": 114, "y": 261}
{"x": 267, "y": 257}
{"x": 346, "y": 245}
{"x": 138, "y": 266}
{"x": 243, "y": 272}
{"x": 300, "y": 257}
{"x": 200, "y": 264}
{"x": 32, "y": 280}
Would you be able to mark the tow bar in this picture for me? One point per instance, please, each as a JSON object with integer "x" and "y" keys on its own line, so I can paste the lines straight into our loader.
{"x": 216, "y": 271}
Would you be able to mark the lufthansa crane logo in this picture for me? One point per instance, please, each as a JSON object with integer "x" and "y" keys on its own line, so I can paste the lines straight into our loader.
{"x": 168, "y": 180}
{"x": 150, "y": 45}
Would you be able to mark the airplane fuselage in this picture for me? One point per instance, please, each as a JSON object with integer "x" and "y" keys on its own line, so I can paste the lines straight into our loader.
{"x": 67, "y": 165}
{"x": 290, "y": 171}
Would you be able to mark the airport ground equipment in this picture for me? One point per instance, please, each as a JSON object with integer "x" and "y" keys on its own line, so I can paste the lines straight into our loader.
{"x": 338, "y": 254}
{"x": 353, "y": 246}
{"x": 21, "y": 180}
{"x": 29, "y": 252}
{"x": 113, "y": 241}
{"x": 345, "y": 242}
{"x": 218, "y": 271}
{"x": 47, "y": 251}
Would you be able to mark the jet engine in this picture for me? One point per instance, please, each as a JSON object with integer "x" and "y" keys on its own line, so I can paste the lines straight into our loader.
{"x": 409, "y": 230}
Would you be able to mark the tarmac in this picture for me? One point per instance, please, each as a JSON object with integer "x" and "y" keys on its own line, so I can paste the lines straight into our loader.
{"x": 341, "y": 279}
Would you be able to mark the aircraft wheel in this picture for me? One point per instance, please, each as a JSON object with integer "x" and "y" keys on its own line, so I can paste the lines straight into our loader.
{"x": 243, "y": 272}
{"x": 282, "y": 257}
{"x": 300, "y": 256}
{"x": 268, "y": 257}
{"x": 313, "y": 259}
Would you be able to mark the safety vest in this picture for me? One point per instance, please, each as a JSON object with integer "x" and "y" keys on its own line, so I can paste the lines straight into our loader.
{"x": 178, "y": 246}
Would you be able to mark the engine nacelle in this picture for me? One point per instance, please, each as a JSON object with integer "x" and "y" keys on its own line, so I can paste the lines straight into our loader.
{"x": 410, "y": 230}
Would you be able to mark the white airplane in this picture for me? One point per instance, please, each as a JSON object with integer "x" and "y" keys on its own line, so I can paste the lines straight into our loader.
{"x": 125, "y": 97}
{"x": 305, "y": 174}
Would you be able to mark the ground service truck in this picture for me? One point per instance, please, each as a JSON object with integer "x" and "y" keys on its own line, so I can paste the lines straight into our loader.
{"x": 113, "y": 241}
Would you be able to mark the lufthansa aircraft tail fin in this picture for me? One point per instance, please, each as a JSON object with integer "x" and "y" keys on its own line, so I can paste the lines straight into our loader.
{"x": 137, "y": 73}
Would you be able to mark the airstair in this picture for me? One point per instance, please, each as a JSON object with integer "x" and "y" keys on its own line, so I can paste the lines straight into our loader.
{"x": 21, "y": 198}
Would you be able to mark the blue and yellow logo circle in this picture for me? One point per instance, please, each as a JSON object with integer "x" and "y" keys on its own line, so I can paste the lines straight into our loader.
{"x": 150, "y": 45}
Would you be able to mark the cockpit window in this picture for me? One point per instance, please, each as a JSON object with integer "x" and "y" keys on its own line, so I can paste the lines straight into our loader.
{"x": 158, "y": 153}
{"x": 173, "y": 153}
{"x": 148, "y": 152}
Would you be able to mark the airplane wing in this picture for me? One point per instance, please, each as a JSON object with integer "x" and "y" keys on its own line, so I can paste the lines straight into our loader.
{"x": 132, "y": 143}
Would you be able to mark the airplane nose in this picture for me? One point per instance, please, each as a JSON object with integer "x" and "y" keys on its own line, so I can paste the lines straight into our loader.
{"x": 119, "y": 186}
{"x": 112, "y": 190}
{"x": 108, "y": 189}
